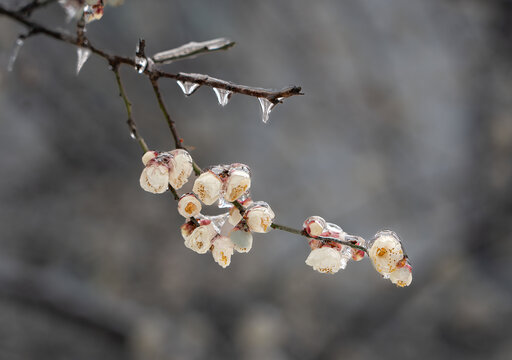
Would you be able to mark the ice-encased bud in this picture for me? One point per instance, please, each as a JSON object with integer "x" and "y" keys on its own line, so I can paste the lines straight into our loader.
{"x": 241, "y": 239}
{"x": 358, "y": 255}
{"x": 234, "y": 214}
{"x": 180, "y": 168}
{"x": 189, "y": 205}
{"x": 201, "y": 238}
{"x": 259, "y": 217}
{"x": 402, "y": 276}
{"x": 385, "y": 251}
{"x": 207, "y": 187}
{"x": 314, "y": 225}
{"x": 155, "y": 178}
{"x": 222, "y": 250}
{"x": 149, "y": 155}
{"x": 93, "y": 12}
{"x": 325, "y": 260}
{"x": 237, "y": 183}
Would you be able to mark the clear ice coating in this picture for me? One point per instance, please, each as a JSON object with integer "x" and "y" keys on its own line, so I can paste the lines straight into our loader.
{"x": 15, "y": 51}
{"x": 218, "y": 221}
{"x": 141, "y": 64}
{"x": 223, "y": 96}
{"x": 191, "y": 49}
{"x": 266, "y": 108}
{"x": 188, "y": 87}
{"x": 82, "y": 56}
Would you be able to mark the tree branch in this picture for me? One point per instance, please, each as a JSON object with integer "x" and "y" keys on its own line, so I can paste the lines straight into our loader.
{"x": 191, "y": 50}
{"x": 34, "y": 5}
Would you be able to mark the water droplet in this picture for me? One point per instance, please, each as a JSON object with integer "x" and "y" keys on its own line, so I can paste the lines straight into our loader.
{"x": 14, "y": 55}
{"x": 83, "y": 54}
{"x": 223, "y": 96}
{"x": 266, "y": 108}
{"x": 188, "y": 87}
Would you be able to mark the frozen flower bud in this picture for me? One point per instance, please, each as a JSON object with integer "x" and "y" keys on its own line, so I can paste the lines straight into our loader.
{"x": 180, "y": 168}
{"x": 222, "y": 249}
{"x": 234, "y": 214}
{"x": 259, "y": 217}
{"x": 325, "y": 260}
{"x": 94, "y": 11}
{"x": 148, "y": 156}
{"x": 200, "y": 240}
{"x": 241, "y": 239}
{"x": 189, "y": 205}
{"x": 237, "y": 183}
{"x": 207, "y": 187}
{"x": 155, "y": 178}
{"x": 402, "y": 276}
{"x": 314, "y": 225}
{"x": 187, "y": 229}
{"x": 385, "y": 252}
{"x": 358, "y": 255}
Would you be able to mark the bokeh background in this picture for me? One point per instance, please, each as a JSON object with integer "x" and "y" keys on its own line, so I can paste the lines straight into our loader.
{"x": 405, "y": 124}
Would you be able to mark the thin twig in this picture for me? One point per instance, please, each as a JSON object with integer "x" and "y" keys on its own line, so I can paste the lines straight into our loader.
{"x": 34, "y": 5}
{"x": 273, "y": 95}
{"x": 154, "y": 74}
{"x": 131, "y": 123}
{"x": 191, "y": 50}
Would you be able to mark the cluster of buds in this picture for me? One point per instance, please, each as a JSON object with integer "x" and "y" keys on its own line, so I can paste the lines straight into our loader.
{"x": 327, "y": 254}
{"x": 92, "y": 9}
{"x": 223, "y": 183}
{"x": 388, "y": 258}
{"x": 164, "y": 169}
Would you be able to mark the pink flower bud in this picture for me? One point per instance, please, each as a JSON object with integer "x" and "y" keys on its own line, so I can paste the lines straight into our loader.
{"x": 189, "y": 205}
{"x": 314, "y": 225}
{"x": 207, "y": 187}
{"x": 358, "y": 255}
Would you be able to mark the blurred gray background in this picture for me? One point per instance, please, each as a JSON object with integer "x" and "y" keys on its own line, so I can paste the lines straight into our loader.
{"x": 405, "y": 124}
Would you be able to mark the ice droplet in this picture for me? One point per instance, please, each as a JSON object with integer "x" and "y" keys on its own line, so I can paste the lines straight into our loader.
{"x": 83, "y": 54}
{"x": 188, "y": 87}
{"x": 141, "y": 64}
{"x": 223, "y": 96}
{"x": 266, "y": 108}
{"x": 14, "y": 55}
{"x": 132, "y": 135}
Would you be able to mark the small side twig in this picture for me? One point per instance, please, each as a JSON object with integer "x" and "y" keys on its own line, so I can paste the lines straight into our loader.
{"x": 34, "y": 5}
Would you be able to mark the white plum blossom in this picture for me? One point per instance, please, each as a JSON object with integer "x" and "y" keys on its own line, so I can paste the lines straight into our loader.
{"x": 402, "y": 276}
{"x": 259, "y": 217}
{"x": 200, "y": 238}
{"x": 222, "y": 250}
{"x": 237, "y": 183}
{"x": 385, "y": 252}
{"x": 325, "y": 260}
{"x": 180, "y": 168}
{"x": 189, "y": 205}
{"x": 241, "y": 239}
{"x": 207, "y": 187}
{"x": 155, "y": 178}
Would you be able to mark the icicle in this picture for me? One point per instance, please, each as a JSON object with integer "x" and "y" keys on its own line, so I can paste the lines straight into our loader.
{"x": 15, "y": 51}
{"x": 188, "y": 87}
{"x": 223, "y": 96}
{"x": 266, "y": 108}
{"x": 83, "y": 55}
